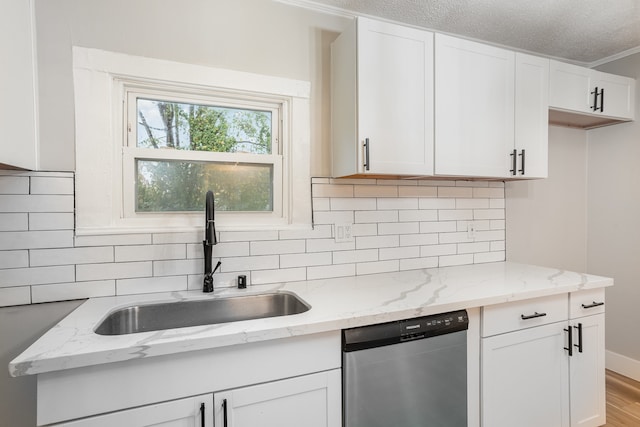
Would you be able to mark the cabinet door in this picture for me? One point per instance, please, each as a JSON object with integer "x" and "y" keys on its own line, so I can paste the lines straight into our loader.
{"x": 618, "y": 95}
{"x": 474, "y": 108}
{"x": 570, "y": 87}
{"x": 311, "y": 401}
{"x": 587, "y": 373}
{"x": 531, "y": 116}
{"x": 18, "y": 119}
{"x": 525, "y": 378}
{"x": 188, "y": 412}
{"x": 395, "y": 98}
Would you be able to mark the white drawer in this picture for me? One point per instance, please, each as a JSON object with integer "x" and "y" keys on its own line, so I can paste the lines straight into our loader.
{"x": 585, "y": 303}
{"x": 511, "y": 316}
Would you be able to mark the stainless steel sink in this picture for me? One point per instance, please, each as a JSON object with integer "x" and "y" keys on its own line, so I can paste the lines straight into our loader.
{"x": 169, "y": 315}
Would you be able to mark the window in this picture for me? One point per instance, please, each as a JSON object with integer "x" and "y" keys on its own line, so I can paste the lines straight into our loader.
{"x": 175, "y": 137}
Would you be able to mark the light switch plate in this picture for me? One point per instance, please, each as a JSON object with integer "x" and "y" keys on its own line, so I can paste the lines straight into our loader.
{"x": 343, "y": 233}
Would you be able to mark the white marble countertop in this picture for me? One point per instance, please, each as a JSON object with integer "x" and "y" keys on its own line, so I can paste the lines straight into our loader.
{"x": 335, "y": 304}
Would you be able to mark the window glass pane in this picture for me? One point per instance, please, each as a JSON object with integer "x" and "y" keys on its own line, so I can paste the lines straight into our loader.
{"x": 169, "y": 186}
{"x": 184, "y": 126}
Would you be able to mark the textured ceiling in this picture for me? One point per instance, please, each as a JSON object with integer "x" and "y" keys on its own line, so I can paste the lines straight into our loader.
{"x": 584, "y": 31}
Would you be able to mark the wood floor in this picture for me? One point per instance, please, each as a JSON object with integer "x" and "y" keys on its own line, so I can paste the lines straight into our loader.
{"x": 623, "y": 401}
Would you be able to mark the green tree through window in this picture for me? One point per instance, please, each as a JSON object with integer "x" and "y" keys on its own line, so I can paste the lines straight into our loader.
{"x": 175, "y": 185}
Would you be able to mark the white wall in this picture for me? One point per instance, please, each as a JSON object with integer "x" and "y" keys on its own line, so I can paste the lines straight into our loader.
{"x": 614, "y": 225}
{"x": 547, "y": 219}
{"x": 258, "y": 36}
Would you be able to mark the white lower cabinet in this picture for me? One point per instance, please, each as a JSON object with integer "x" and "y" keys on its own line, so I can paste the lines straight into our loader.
{"x": 311, "y": 401}
{"x": 525, "y": 379}
{"x": 544, "y": 374}
{"x": 189, "y": 412}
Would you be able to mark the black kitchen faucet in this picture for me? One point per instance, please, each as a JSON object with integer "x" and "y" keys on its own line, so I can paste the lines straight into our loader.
{"x": 210, "y": 239}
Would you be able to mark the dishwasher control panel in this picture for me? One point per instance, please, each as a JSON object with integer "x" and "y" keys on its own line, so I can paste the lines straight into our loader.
{"x": 404, "y": 330}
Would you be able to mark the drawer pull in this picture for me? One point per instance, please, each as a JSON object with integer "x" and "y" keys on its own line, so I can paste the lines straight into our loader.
{"x": 595, "y": 304}
{"x": 532, "y": 316}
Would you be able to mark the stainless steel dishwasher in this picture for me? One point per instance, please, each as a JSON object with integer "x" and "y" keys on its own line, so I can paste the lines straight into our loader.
{"x": 409, "y": 373}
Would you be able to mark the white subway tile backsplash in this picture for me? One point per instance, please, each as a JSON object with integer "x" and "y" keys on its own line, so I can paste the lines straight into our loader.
{"x": 328, "y": 190}
{"x": 329, "y": 271}
{"x": 398, "y": 228}
{"x": 397, "y": 225}
{"x": 374, "y": 216}
{"x": 457, "y": 237}
{"x": 113, "y": 239}
{"x": 73, "y": 290}
{"x": 14, "y": 259}
{"x": 417, "y": 191}
{"x": 497, "y": 246}
{"x": 436, "y": 203}
{"x": 334, "y": 217}
{"x": 176, "y": 238}
{"x": 246, "y": 236}
{"x": 262, "y": 277}
{"x": 36, "y": 276}
{"x": 51, "y": 221}
{"x": 321, "y": 204}
{"x": 68, "y": 256}
{"x": 469, "y": 248}
{"x": 47, "y": 185}
{"x": 19, "y": 295}
{"x": 220, "y": 250}
{"x": 438, "y": 227}
{"x": 399, "y": 253}
{"x": 370, "y": 242}
{"x": 277, "y": 247}
{"x": 450, "y": 260}
{"x": 120, "y": 270}
{"x": 455, "y": 214}
{"x": 492, "y": 193}
{"x": 362, "y": 204}
{"x": 488, "y": 214}
{"x": 419, "y": 239}
{"x": 472, "y": 203}
{"x": 364, "y": 229}
{"x": 36, "y": 239}
{"x": 418, "y": 263}
{"x": 375, "y": 191}
{"x": 147, "y": 285}
{"x": 150, "y": 252}
{"x": 327, "y": 245}
{"x": 455, "y": 192}
{"x": 305, "y": 260}
{"x": 418, "y": 215}
{"x": 397, "y": 204}
{"x": 363, "y": 255}
{"x": 318, "y": 232}
{"x": 488, "y": 257}
{"x": 178, "y": 267}
{"x": 261, "y": 262}
{"x": 437, "y": 250}
{"x": 14, "y": 185}
{"x": 377, "y": 267}
{"x": 14, "y": 222}
{"x": 38, "y": 203}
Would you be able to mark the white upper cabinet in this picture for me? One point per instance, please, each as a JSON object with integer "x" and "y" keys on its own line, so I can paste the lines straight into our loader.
{"x": 531, "y": 117}
{"x": 588, "y": 98}
{"x": 18, "y": 146}
{"x": 382, "y": 100}
{"x": 490, "y": 111}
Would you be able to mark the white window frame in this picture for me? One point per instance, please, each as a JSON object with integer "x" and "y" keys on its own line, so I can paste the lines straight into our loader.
{"x": 105, "y": 161}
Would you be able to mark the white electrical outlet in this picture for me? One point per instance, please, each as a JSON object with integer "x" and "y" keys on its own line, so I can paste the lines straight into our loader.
{"x": 471, "y": 230}
{"x": 343, "y": 233}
